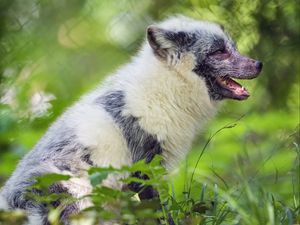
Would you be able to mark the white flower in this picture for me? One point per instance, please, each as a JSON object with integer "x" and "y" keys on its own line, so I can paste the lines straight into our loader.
{"x": 40, "y": 104}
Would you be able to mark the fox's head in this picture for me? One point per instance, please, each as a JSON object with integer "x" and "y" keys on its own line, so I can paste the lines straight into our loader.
{"x": 216, "y": 58}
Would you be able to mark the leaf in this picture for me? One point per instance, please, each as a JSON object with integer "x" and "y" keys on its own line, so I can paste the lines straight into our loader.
{"x": 109, "y": 169}
{"x": 49, "y": 198}
{"x": 47, "y": 180}
{"x": 98, "y": 177}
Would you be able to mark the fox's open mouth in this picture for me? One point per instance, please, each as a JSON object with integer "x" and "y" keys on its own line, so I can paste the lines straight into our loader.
{"x": 225, "y": 87}
{"x": 218, "y": 74}
{"x": 230, "y": 88}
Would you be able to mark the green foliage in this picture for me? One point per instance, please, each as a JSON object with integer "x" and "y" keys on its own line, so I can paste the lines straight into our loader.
{"x": 16, "y": 217}
{"x": 51, "y": 52}
{"x": 247, "y": 202}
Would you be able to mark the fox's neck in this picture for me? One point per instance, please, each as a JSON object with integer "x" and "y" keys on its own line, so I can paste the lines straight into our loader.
{"x": 170, "y": 103}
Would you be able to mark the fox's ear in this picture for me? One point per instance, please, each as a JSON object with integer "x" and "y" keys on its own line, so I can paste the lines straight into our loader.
{"x": 159, "y": 42}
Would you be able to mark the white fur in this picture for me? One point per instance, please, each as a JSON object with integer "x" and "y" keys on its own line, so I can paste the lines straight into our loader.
{"x": 95, "y": 128}
{"x": 172, "y": 104}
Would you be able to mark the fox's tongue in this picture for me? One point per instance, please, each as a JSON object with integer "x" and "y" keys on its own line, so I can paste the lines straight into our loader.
{"x": 234, "y": 87}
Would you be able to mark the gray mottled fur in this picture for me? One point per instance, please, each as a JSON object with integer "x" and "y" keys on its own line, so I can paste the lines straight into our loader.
{"x": 141, "y": 144}
{"x": 59, "y": 151}
{"x": 53, "y": 154}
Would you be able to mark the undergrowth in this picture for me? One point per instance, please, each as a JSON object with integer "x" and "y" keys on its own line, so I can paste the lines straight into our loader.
{"x": 203, "y": 201}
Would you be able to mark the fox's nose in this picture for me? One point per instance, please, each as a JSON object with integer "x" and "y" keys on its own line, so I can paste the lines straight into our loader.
{"x": 259, "y": 65}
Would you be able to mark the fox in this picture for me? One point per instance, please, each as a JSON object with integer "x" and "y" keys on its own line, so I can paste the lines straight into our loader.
{"x": 154, "y": 105}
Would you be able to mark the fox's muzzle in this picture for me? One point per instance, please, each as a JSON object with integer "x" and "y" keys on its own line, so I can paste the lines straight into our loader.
{"x": 244, "y": 67}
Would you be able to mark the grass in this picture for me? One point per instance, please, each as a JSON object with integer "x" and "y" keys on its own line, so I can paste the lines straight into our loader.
{"x": 207, "y": 198}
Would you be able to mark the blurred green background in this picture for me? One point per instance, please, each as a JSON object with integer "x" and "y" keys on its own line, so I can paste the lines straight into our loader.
{"x": 51, "y": 52}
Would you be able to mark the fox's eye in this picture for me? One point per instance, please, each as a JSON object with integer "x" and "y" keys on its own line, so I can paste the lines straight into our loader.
{"x": 220, "y": 51}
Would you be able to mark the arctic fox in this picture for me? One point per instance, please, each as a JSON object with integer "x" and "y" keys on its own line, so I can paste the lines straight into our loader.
{"x": 155, "y": 104}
